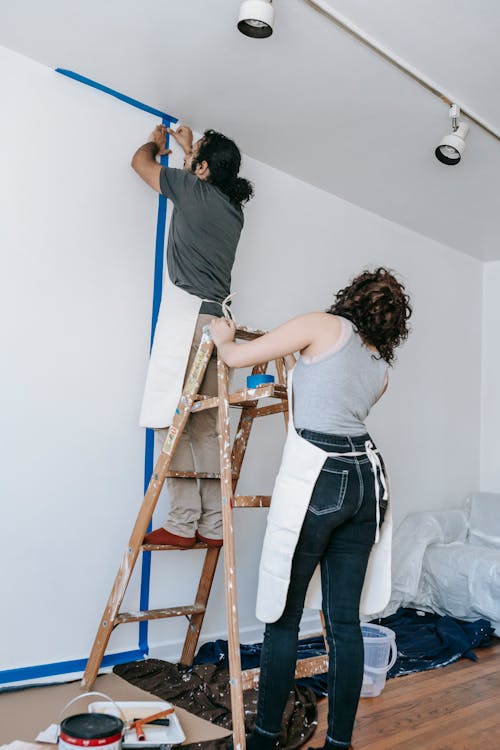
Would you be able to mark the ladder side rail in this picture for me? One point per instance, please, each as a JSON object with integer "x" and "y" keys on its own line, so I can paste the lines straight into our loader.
{"x": 282, "y": 380}
{"x": 202, "y": 595}
{"x": 131, "y": 553}
{"x": 235, "y": 681}
{"x": 243, "y": 431}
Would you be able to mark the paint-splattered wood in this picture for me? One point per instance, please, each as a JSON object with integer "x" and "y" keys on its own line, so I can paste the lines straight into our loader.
{"x": 243, "y": 432}
{"x": 251, "y": 501}
{"x": 230, "y": 562}
{"x": 248, "y": 334}
{"x": 171, "y": 547}
{"x": 109, "y": 617}
{"x": 282, "y": 379}
{"x": 244, "y": 397}
{"x": 304, "y": 668}
{"x": 193, "y": 475}
{"x": 159, "y": 614}
{"x": 202, "y": 595}
{"x": 265, "y": 411}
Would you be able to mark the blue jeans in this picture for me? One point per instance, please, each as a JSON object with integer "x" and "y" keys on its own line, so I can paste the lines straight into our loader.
{"x": 338, "y": 533}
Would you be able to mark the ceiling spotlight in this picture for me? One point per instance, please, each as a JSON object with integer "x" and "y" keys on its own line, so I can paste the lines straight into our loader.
{"x": 452, "y": 145}
{"x": 256, "y": 18}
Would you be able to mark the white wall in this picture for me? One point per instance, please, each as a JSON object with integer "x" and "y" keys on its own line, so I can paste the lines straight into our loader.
{"x": 490, "y": 407}
{"x": 79, "y": 243}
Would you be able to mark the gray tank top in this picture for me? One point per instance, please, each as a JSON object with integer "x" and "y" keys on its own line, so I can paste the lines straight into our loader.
{"x": 335, "y": 391}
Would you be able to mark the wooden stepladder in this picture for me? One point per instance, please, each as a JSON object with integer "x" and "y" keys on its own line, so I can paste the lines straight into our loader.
{"x": 231, "y": 462}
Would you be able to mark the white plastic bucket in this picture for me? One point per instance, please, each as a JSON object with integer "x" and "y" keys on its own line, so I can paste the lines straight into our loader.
{"x": 380, "y": 655}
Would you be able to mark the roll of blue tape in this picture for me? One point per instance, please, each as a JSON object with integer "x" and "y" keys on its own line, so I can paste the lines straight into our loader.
{"x": 255, "y": 380}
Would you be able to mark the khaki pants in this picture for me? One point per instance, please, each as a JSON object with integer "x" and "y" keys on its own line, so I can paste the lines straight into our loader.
{"x": 196, "y": 504}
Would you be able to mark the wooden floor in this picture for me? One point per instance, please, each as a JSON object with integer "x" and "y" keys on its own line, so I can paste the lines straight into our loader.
{"x": 452, "y": 708}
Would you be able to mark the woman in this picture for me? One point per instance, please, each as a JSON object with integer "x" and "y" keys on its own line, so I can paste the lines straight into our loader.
{"x": 342, "y": 371}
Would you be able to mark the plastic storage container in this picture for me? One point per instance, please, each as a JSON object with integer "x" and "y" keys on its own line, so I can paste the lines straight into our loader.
{"x": 380, "y": 655}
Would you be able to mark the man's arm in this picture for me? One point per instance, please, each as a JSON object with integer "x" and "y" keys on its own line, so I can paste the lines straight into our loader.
{"x": 144, "y": 160}
{"x": 145, "y": 164}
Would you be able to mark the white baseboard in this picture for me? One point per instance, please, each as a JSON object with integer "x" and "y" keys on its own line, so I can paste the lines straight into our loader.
{"x": 171, "y": 650}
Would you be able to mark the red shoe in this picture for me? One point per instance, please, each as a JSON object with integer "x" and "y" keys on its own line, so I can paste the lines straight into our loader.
{"x": 162, "y": 536}
{"x": 209, "y": 542}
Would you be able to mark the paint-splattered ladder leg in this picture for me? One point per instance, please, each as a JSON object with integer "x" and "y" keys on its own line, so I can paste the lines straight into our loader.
{"x": 281, "y": 371}
{"x": 196, "y": 620}
{"x": 108, "y": 620}
{"x": 230, "y": 562}
{"x": 243, "y": 432}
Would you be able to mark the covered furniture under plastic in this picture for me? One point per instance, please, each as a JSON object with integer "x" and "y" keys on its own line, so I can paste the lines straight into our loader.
{"x": 448, "y": 561}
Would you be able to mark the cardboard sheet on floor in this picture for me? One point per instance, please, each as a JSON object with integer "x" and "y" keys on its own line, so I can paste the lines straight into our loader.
{"x": 25, "y": 713}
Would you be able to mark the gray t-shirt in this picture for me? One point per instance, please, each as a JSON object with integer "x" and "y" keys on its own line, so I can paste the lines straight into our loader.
{"x": 204, "y": 232}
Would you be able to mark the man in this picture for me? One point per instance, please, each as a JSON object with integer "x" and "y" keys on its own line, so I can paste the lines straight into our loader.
{"x": 204, "y": 232}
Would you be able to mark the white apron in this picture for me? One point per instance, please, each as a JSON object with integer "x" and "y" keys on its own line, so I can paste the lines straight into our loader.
{"x": 300, "y": 467}
{"x": 169, "y": 355}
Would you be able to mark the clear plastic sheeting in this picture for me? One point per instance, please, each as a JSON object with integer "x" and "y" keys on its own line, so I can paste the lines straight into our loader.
{"x": 448, "y": 561}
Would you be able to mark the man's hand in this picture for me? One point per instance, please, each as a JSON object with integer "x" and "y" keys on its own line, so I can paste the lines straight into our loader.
{"x": 184, "y": 137}
{"x": 159, "y": 137}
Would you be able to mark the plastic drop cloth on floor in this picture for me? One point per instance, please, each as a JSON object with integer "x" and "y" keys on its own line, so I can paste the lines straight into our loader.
{"x": 204, "y": 691}
{"x": 448, "y": 561}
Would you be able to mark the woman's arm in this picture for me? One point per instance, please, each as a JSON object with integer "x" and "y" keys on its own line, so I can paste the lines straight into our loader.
{"x": 294, "y": 336}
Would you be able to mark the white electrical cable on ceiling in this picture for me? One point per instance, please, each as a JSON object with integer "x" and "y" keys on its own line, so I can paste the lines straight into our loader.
{"x": 400, "y": 64}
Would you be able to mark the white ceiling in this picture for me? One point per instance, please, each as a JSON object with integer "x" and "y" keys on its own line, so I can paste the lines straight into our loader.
{"x": 309, "y": 100}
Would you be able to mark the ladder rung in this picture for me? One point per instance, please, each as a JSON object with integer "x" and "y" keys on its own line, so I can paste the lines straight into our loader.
{"x": 244, "y": 396}
{"x": 268, "y": 390}
{"x": 264, "y": 411}
{"x": 158, "y": 614}
{"x": 167, "y": 547}
{"x": 192, "y": 475}
{"x": 252, "y": 501}
{"x": 249, "y": 334}
{"x": 304, "y": 668}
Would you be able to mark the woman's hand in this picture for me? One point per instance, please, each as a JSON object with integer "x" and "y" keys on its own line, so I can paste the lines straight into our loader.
{"x": 222, "y": 331}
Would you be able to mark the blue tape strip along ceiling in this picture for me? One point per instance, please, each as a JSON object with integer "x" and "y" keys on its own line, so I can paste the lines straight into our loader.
{"x": 78, "y": 665}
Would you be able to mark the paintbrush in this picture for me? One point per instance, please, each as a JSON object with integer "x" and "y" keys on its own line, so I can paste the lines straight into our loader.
{"x": 137, "y": 723}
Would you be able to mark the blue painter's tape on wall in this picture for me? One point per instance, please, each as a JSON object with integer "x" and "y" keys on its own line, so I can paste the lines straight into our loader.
{"x": 117, "y": 95}
{"x": 149, "y": 447}
{"x": 64, "y": 667}
{"x": 255, "y": 380}
{"x": 157, "y": 293}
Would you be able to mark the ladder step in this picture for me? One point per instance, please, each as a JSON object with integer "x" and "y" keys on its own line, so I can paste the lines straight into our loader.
{"x": 305, "y": 668}
{"x": 243, "y": 397}
{"x": 168, "y": 547}
{"x": 252, "y": 501}
{"x": 158, "y": 614}
{"x": 193, "y": 475}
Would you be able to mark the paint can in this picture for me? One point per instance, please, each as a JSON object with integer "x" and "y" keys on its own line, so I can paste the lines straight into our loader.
{"x": 90, "y": 730}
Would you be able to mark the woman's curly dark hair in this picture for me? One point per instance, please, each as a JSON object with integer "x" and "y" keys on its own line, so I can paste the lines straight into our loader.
{"x": 378, "y": 306}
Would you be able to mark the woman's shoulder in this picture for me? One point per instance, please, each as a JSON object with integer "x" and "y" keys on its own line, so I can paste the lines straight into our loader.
{"x": 322, "y": 318}
{"x": 326, "y": 330}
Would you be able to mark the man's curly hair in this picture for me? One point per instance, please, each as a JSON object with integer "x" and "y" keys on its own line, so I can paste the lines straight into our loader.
{"x": 379, "y": 308}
